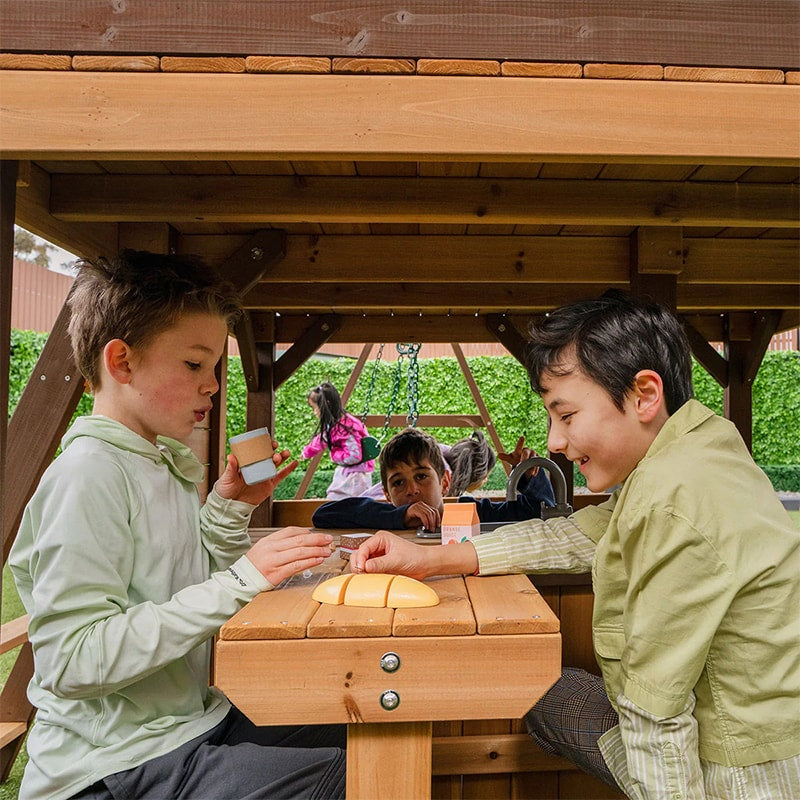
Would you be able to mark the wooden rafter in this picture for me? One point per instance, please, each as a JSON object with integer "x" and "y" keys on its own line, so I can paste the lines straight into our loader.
{"x": 254, "y": 199}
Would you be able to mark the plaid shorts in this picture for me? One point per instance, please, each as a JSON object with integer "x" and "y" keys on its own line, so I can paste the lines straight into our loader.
{"x": 570, "y": 718}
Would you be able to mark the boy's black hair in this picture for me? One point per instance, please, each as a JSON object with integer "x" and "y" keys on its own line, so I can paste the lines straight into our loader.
{"x": 410, "y": 446}
{"x": 612, "y": 338}
{"x": 470, "y": 460}
{"x": 137, "y": 295}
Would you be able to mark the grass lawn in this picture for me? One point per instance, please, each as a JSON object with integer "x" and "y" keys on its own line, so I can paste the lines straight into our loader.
{"x": 12, "y": 608}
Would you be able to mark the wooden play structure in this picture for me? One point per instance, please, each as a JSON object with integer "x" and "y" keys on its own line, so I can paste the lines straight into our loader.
{"x": 431, "y": 172}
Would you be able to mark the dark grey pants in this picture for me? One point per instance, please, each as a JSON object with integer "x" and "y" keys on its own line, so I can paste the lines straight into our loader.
{"x": 569, "y": 719}
{"x": 237, "y": 760}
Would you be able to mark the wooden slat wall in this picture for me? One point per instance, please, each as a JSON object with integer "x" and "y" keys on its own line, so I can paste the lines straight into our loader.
{"x": 737, "y": 33}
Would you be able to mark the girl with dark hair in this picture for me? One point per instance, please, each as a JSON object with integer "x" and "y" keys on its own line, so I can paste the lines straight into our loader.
{"x": 341, "y": 433}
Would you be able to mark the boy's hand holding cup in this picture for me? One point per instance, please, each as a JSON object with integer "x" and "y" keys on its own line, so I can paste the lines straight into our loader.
{"x": 252, "y": 472}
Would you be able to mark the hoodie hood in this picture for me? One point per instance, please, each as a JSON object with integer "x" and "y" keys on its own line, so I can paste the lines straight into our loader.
{"x": 180, "y": 460}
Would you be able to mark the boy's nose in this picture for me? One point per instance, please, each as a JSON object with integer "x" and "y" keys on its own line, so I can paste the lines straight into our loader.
{"x": 556, "y": 442}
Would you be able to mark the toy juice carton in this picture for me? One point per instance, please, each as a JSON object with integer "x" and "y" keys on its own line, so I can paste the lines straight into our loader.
{"x": 460, "y": 522}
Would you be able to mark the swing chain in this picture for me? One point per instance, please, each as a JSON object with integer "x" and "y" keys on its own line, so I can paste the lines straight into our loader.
{"x": 371, "y": 387}
{"x": 412, "y": 387}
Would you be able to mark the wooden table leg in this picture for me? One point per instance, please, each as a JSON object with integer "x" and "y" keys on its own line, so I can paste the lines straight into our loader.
{"x": 389, "y": 759}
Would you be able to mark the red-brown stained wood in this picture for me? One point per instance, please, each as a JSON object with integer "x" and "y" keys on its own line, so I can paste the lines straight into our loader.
{"x": 736, "y": 33}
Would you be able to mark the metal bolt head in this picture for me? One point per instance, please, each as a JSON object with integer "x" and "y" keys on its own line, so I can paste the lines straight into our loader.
{"x": 390, "y": 700}
{"x": 256, "y": 253}
{"x": 390, "y": 662}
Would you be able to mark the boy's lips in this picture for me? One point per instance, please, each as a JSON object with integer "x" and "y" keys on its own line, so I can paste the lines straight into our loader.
{"x": 200, "y": 414}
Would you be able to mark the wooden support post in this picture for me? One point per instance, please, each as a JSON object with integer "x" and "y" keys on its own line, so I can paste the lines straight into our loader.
{"x": 261, "y": 414}
{"x": 8, "y": 194}
{"x": 15, "y": 708}
{"x": 40, "y": 420}
{"x": 712, "y": 361}
{"x": 504, "y": 331}
{"x": 348, "y": 390}
{"x": 656, "y": 261}
{"x": 476, "y": 396}
{"x": 746, "y": 341}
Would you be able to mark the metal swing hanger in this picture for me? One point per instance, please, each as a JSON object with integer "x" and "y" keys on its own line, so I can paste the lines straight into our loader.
{"x": 410, "y": 352}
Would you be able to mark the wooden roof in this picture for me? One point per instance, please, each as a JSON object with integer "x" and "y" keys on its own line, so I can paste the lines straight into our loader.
{"x": 414, "y": 197}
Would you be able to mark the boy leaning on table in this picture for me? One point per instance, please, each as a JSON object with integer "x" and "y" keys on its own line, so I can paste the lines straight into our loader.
{"x": 126, "y": 577}
{"x": 695, "y": 568}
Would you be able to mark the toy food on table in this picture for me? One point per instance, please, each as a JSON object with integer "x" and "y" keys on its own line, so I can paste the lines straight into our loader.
{"x": 376, "y": 590}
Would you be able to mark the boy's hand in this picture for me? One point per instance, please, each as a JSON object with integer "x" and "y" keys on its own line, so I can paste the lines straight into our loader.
{"x": 385, "y": 552}
{"x": 518, "y": 454}
{"x": 231, "y": 484}
{"x": 289, "y": 551}
{"x": 420, "y": 513}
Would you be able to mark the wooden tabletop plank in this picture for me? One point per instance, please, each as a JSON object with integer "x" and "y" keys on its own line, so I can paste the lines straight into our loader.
{"x": 522, "y": 610}
{"x": 452, "y": 617}
{"x": 331, "y": 622}
{"x": 284, "y": 613}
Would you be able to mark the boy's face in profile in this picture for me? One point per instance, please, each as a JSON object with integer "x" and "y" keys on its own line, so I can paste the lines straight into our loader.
{"x": 168, "y": 383}
{"x": 412, "y": 483}
{"x": 591, "y": 431}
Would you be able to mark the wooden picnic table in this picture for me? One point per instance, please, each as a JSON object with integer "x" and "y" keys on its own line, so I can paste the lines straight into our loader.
{"x": 489, "y": 650}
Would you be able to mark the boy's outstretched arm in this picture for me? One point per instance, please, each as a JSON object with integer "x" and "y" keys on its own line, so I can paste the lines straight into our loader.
{"x": 359, "y": 512}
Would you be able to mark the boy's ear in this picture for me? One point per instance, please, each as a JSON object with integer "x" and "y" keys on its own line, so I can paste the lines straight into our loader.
{"x": 648, "y": 394}
{"x": 445, "y": 483}
{"x": 116, "y": 360}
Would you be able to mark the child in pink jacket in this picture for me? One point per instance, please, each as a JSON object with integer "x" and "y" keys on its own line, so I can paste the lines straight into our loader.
{"x": 341, "y": 433}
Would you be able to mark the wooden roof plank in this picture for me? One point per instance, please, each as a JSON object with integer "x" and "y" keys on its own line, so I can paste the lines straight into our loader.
{"x": 376, "y": 117}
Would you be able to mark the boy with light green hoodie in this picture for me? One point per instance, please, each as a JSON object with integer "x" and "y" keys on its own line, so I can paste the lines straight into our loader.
{"x": 126, "y": 577}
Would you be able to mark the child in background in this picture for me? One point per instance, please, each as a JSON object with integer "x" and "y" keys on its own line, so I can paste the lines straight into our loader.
{"x": 470, "y": 460}
{"x": 127, "y": 578}
{"x": 695, "y": 569}
{"x": 341, "y": 433}
{"x": 414, "y": 480}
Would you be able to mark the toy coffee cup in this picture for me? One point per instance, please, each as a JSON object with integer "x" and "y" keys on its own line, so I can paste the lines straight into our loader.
{"x": 253, "y": 451}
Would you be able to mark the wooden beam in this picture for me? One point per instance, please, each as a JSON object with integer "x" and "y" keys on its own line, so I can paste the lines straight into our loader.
{"x": 382, "y": 258}
{"x": 8, "y": 191}
{"x": 739, "y": 34}
{"x": 482, "y": 298}
{"x": 485, "y": 416}
{"x": 140, "y": 116}
{"x": 16, "y": 708}
{"x": 267, "y": 199}
{"x": 87, "y": 239}
{"x": 397, "y": 328}
{"x": 504, "y": 330}
{"x": 304, "y": 347}
{"x": 39, "y": 421}
{"x": 261, "y": 414}
{"x": 251, "y": 262}
{"x": 711, "y": 360}
{"x": 246, "y": 342}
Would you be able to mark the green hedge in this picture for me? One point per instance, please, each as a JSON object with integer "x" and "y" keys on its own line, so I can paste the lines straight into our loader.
{"x": 503, "y": 383}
